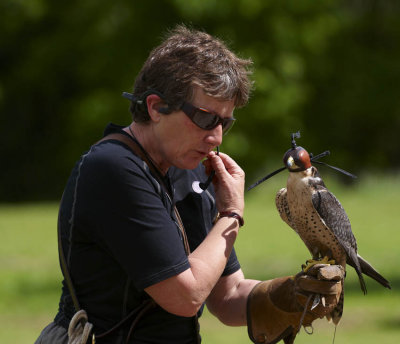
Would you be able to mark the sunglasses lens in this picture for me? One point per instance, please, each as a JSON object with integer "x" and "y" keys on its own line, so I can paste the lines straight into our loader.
{"x": 205, "y": 120}
{"x": 227, "y": 124}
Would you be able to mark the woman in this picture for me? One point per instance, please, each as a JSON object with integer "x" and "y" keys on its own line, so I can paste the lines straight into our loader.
{"x": 137, "y": 271}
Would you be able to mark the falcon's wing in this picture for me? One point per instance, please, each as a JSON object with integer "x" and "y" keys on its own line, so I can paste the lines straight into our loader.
{"x": 283, "y": 208}
{"x": 332, "y": 213}
{"x": 284, "y": 212}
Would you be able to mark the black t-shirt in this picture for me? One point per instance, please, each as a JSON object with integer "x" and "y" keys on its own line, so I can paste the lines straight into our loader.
{"x": 125, "y": 238}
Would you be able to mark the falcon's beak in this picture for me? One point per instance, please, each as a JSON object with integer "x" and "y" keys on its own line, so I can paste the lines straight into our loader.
{"x": 314, "y": 171}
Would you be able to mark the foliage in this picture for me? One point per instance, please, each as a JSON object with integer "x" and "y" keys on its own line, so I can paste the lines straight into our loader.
{"x": 328, "y": 68}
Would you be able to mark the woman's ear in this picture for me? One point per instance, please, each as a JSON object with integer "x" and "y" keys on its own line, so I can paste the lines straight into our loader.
{"x": 154, "y": 104}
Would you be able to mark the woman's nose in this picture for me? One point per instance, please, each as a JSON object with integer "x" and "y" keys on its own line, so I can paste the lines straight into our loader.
{"x": 214, "y": 136}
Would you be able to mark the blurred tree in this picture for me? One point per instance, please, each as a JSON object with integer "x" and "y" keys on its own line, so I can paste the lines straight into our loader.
{"x": 63, "y": 67}
{"x": 327, "y": 68}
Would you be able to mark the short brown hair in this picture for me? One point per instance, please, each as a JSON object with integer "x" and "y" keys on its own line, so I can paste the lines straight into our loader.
{"x": 188, "y": 58}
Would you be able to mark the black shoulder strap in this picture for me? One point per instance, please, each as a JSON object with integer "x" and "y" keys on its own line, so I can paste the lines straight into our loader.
{"x": 140, "y": 152}
{"x": 147, "y": 304}
{"x": 65, "y": 270}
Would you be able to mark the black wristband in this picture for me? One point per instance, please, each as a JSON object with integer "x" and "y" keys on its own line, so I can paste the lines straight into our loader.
{"x": 232, "y": 214}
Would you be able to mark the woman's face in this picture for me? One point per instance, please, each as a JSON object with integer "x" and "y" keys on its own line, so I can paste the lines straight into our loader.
{"x": 181, "y": 142}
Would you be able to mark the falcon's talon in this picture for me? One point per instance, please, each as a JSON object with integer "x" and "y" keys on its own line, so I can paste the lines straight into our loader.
{"x": 317, "y": 299}
{"x": 311, "y": 262}
{"x": 326, "y": 260}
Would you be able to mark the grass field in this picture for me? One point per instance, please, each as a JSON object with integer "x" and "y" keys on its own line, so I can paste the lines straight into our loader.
{"x": 266, "y": 247}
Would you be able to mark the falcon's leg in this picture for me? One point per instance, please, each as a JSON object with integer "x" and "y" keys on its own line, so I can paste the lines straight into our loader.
{"x": 312, "y": 262}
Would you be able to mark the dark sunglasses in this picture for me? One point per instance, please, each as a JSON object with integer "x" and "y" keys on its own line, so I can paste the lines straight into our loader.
{"x": 205, "y": 119}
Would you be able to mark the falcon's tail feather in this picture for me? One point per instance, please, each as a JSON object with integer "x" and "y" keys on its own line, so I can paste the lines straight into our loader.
{"x": 368, "y": 270}
{"x": 362, "y": 282}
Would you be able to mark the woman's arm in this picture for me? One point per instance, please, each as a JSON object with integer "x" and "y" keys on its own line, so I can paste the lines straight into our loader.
{"x": 228, "y": 299}
{"x": 185, "y": 293}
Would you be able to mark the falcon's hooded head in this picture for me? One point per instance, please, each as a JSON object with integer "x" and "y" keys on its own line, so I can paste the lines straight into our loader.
{"x": 297, "y": 159}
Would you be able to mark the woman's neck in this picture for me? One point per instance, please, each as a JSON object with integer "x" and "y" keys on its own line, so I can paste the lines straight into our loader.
{"x": 141, "y": 133}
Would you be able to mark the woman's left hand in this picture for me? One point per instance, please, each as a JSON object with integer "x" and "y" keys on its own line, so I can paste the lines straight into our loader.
{"x": 228, "y": 182}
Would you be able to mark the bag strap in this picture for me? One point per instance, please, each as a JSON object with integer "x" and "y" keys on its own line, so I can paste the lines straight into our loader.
{"x": 138, "y": 311}
{"x": 138, "y": 150}
{"x": 65, "y": 270}
{"x": 147, "y": 304}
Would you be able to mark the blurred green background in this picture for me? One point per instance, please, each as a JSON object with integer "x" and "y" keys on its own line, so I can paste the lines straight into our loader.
{"x": 327, "y": 68}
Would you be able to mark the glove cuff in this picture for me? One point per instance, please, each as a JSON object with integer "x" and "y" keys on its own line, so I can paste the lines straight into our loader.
{"x": 266, "y": 323}
{"x": 277, "y": 308}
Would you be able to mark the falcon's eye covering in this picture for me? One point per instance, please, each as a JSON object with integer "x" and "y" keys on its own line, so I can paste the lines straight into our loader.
{"x": 290, "y": 162}
{"x": 297, "y": 159}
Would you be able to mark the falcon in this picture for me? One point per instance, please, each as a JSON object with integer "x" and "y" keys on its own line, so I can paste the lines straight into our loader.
{"x": 317, "y": 216}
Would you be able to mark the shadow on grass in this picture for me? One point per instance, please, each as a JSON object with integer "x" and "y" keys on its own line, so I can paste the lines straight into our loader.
{"x": 390, "y": 324}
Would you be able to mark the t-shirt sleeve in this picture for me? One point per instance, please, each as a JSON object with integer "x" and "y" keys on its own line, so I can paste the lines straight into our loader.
{"x": 127, "y": 215}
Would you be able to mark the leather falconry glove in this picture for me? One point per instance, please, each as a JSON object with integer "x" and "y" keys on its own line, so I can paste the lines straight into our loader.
{"x": 276, "y": 308}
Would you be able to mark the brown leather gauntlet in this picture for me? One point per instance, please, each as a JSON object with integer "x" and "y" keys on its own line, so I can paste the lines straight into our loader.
{"x": 275, "y": 308}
